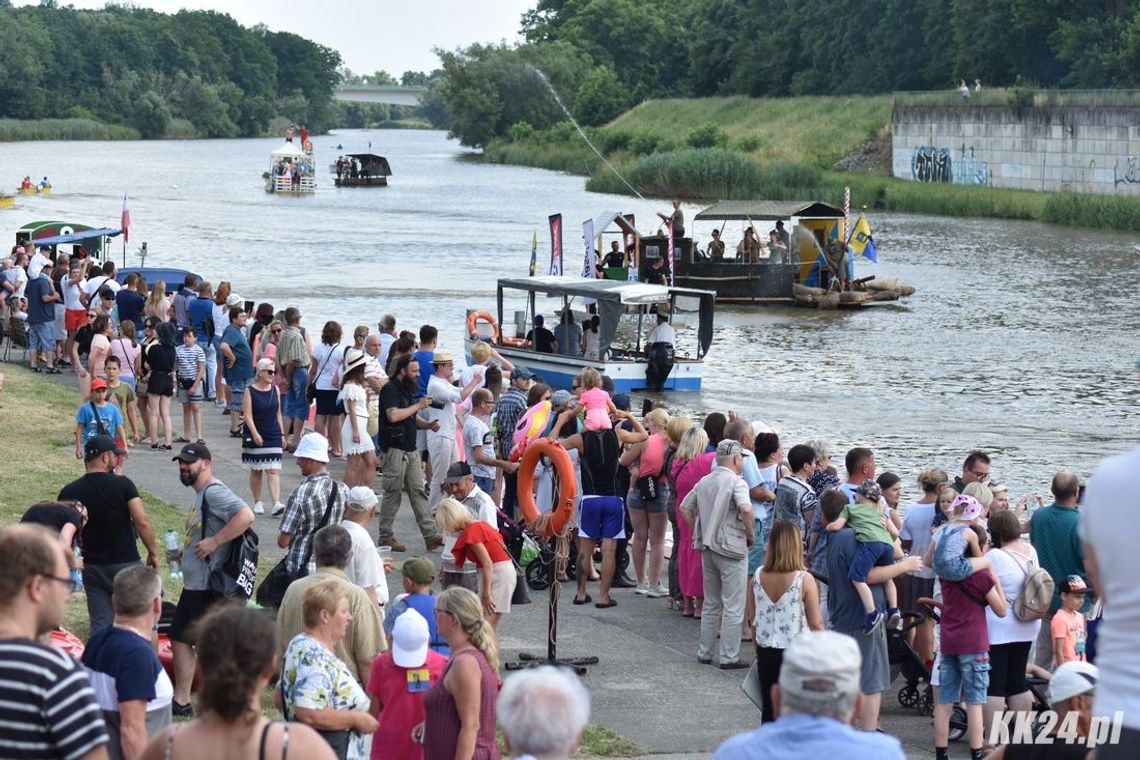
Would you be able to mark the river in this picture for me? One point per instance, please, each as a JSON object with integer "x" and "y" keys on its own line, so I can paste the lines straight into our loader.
{"x": 1020, "y": 340}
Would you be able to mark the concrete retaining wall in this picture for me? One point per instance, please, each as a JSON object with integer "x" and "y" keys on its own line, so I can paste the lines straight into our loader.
{"x": 1090, "y": 150}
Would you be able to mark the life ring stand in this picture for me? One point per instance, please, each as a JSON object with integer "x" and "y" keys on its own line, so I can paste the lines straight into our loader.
{"x": 475, "y": 316}
{"x": 560, "y": 516}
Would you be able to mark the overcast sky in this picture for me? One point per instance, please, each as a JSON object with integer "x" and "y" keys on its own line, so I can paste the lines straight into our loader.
{"x": 370, "y": 34}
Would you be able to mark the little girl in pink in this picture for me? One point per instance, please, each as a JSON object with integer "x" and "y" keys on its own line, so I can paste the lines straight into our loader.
{"x": 594, "y": 400}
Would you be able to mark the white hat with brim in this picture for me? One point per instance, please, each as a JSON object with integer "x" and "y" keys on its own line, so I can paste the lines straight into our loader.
{"x": 313, "y": 446}
{"x": 410, "y": 637}
{"x": 1072, "y": 679}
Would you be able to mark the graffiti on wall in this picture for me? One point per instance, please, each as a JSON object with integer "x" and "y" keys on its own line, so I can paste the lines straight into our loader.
{"x": 1128, "y": 170}
{"x": 930, "y": 164}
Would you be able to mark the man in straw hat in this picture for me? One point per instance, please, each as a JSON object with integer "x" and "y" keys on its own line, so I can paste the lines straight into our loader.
{"x": 816, "y": 699}
{"x": 443, "y": 451}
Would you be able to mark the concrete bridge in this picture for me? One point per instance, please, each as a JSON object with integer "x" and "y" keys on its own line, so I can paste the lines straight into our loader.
{"x": 394, "y": 95}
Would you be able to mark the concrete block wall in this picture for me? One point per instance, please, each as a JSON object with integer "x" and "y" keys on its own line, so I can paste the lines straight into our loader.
{"x": 1090, "y": 150}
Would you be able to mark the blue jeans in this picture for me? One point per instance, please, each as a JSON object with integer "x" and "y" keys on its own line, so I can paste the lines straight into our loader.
{"x": 964, "y": 676}
{"x": 207, "y": 345}
{"x": 486, "y": 485}
{"x": 950, "y": 562}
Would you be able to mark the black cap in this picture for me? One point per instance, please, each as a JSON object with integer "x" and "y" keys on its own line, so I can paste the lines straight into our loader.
{"x": 100, "y": 444}
{"x": 192, "y": 452}
{"x": 457, "y": 472}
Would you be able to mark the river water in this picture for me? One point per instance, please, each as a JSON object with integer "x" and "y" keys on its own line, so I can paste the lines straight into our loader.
{"x": 1020, "y": 340}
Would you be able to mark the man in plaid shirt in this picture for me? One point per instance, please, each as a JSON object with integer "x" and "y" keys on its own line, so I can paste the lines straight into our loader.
{"x": 307, "y": 503}
{"x": 508, "y": 411}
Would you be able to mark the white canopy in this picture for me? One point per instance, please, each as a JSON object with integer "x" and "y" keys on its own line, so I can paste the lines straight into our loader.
{"x": 287, "y": 150}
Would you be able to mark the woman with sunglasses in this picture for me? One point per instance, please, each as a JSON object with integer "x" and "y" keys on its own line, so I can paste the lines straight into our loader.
{"x": 261, "y": 449}
{"x": 81, "y": 350}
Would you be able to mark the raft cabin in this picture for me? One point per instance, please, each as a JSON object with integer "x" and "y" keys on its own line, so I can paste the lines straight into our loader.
{"x": 627, "y": 313}
{"x": 362, "y": 170}
{"x": 292, "y": 171}
{"x": 773, "y": 252}
{"x": 84, "y": 240}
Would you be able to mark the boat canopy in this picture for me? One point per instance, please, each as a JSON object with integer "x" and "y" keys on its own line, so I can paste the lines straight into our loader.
{"x": 372, "y": 164}
{"x": 608, "y": 218}
{"x": 768, "y": 211}
{"x": 75, "y": 237}
{"x": 287, "y": 150}
{"x": 612, "y": 296}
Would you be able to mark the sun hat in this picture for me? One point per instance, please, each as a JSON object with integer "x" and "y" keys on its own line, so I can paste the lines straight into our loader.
{"x": 313, "y": 446}
{"x": 1072, "y": 679}
{"x": 361, "y": 499}
{"x": 870, "y": 491}
{"x": 442, "y": 357}
{"x": 354, "y": 359}
{"x": 420, "y": 570}
{"x": 822, "y": 666}
{"x": 971, "y": 508}
{"x": 410, "y": 637}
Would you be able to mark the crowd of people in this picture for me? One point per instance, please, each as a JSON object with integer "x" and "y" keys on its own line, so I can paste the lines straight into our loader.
{"x": 712, "y": 516}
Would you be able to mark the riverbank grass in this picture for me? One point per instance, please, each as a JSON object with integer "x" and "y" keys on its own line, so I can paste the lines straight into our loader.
{"x": 38, "y": 420}
{"x": 19, "y": 130}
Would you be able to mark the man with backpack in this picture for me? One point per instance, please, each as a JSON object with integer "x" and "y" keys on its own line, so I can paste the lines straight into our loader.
{"x": 218, "y": 517}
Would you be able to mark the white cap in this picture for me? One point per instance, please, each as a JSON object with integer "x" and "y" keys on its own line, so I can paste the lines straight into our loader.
{"x": 234, "y": 300}
{"x": 361, "y": 498}
{"x": 410, "y": 637}
{"x": 1072, "y": 679}
{"x": 821, "y": 665}
{"x": 313, "y": 446}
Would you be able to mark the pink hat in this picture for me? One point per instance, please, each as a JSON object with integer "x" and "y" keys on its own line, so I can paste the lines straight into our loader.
{"x": 965, "y": 508}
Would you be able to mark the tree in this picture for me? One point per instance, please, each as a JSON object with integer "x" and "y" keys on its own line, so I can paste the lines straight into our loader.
{"x": 600, "y": 97}
{"x": 151, "y": 115}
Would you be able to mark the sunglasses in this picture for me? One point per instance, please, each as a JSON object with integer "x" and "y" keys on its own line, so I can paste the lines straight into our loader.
{"x": 270, "y": 371}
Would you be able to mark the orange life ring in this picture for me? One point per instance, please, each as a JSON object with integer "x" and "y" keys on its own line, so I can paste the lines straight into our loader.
{"x": 475, "y": 316}
{"x": 567, "y": 486}
{"x": 513, "y": 342}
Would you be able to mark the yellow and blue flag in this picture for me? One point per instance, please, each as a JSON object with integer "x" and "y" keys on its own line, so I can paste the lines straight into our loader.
{"x": 861, "y": 241}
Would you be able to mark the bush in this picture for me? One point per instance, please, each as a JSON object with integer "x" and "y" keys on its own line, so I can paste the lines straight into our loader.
{"x": 748, "y": 144}
{"x": 706, "y": 136}
{"x": 1100, "y": 211}
{"x": 612, "y": 140}
{"x": 520, "y": 131}
{"x": 644, "y": 143}
{"x": 690, "y": 173}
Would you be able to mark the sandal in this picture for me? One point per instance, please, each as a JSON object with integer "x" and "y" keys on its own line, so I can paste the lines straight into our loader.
{"x": 606, "y": 605}
{"x": 587, "y": 600}
{"x": 182, "y": 439}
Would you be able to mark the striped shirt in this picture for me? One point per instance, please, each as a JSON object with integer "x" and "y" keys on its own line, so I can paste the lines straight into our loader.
{"x": 47, "y": 707}
{"x": 189, "y": 357}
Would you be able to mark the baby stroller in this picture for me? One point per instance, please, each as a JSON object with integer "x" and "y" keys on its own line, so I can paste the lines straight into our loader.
{"x": 524, "y": 550}
{"x": 907, "y": 662}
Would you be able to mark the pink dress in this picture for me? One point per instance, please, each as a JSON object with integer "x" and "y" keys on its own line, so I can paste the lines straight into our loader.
{"x": 689, "y": 571}
{"x": 596, "y": 402}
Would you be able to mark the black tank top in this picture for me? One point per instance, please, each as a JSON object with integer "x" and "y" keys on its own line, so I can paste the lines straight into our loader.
{"x": 599, "y": 462}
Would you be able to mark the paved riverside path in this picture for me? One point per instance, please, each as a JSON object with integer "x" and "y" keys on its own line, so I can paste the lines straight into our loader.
{"x": 648, "y": 686}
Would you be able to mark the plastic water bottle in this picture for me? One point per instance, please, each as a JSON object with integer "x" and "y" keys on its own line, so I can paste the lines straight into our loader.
{"x": 174, "y": 553}
{"x": 76, "y": 573}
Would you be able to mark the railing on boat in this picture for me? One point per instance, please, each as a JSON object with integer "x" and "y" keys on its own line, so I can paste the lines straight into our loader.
{"x": 282, "y": 184}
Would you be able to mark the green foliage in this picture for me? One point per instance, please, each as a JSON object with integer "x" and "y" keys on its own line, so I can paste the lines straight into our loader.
{"x": 1099, "y": 211}
{"x": 521, "y": 131}
{"x": 600, "y": 97}
{"x": 63, "y": 129}
{"x": 688, "y": 173}
{"x": 146, "y": 70}
{"x": 706, "y": 136}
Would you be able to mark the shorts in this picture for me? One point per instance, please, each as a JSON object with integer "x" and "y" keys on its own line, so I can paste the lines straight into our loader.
{"x": 1007, "y": 668}
{"x": 294, "y": 403}
{"x": 192, "y": 607}
{"x": 602, "y": 517}
{"x": 911, "y": 588}
{"x": 327, "y": 404}
{"x": 41, "y": 336}
{"x": 503, "y": 581}
{"x": 875, "y": 668}
{"x": 964, "y": 676}
{"x": 868, "y": 555}
{"x": 160, "y": 384}
{"x": 636, "y": 501}
{"x": 191, "y": 397}
{"x": 449, "y": 578}
{"x": 73, "y": 319}
{"x": 237, "y": 391}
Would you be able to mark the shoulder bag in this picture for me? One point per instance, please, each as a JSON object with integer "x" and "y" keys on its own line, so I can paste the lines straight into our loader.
{"x": 99, "y": 426}
{"x": 235, "y": 577}
{"x": 311, "y": 388}
{"x": 272, "y": 589}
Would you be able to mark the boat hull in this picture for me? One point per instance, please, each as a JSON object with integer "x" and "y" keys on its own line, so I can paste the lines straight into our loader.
{"x": 559, "y": 371}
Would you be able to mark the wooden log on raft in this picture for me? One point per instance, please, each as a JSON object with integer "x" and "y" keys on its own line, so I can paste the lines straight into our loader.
{"x": 829, "y": 301}
{"x": 892, "y": 284}
{"x": 799, "y": 290}
{"x": 885, "y": 295}
{"x": 855, "y": 296}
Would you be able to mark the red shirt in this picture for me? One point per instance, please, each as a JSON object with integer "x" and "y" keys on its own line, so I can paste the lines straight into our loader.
{"x": 401, "y": 704}
{"x": 479, "y": 532}
{"x": 963, "y": 629}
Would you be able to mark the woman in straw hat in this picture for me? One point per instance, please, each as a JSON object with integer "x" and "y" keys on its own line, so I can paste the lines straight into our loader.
{"x": 360, "y": 469}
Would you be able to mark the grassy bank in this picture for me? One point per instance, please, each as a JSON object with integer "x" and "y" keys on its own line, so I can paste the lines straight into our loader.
{"x": 18, "y": 130}
{"x": 780, "y": 149}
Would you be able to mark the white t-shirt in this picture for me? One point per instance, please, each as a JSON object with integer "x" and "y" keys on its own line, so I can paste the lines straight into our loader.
{"x": 1010, "y": 571}
{"x": 476, "y": 433}
{"x": 442, "y": 392}
{"x": 71, "y": 294}
{"x": 467, "y": 374}
{"x": 221, "y": 315}
{"x": 19, "y": 279}
{"x": 328, "y": 366}
{"x": 916, "y": 528}
{"x": 663, "y": 333}
{"x": 365, "y": 568}
{"x": 1108, "y": 519}
{"x": 97, "y": 282}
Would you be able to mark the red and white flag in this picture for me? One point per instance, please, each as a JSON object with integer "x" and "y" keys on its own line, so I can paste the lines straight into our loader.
{"x": 125, "y": 221}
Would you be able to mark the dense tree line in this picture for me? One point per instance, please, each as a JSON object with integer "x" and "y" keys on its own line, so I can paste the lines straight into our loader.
{"x": 194, "y": 72}
{"x": 604, "y": 56}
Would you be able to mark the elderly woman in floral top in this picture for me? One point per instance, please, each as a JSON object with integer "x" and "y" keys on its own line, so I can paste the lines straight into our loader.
{"x": 317, "y": 689}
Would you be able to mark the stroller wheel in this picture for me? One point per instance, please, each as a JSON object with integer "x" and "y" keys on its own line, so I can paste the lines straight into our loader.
{"x": 539, "y": 574}
{"x": 926, "y": 703}
{"x": 957, "y": 724}
{"x": 908, "y": 695}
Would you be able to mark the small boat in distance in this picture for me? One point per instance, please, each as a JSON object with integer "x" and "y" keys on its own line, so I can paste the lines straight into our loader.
{"x": 27, "y": 187}
{"x": 292, "y": 171}
{"x": 361, "y": 170}
{"x": 7, "y": 201}
{"x": 625, "y": 318}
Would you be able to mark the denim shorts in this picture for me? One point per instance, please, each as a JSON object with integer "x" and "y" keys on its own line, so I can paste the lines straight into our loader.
{"x": 237, "y": 394}
{"x": 41, "y": 336}
{"x": 294, "y": 404}
{"x": 634, "y": 499}
{"x": 964, "y": 676}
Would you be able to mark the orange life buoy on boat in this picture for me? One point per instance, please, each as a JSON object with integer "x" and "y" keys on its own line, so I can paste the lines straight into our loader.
{"x": 475, "y": 316}
{"x": 564, "y": 507}
{"x": 513, "y": 342}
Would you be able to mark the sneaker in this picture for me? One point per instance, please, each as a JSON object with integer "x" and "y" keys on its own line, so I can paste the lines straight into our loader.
{"x": 258, "y": 508}
{"x": 181, "y": 711}
{"x": 393, "y": 544}
{"x": 657, "y": 592}
{"x": 278, "y": 509}
{"x": 894, "y": 619}
{"x": 874, "y": 620}
{"x": 642, "y": 588}
{"x": 433, "y": 543}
